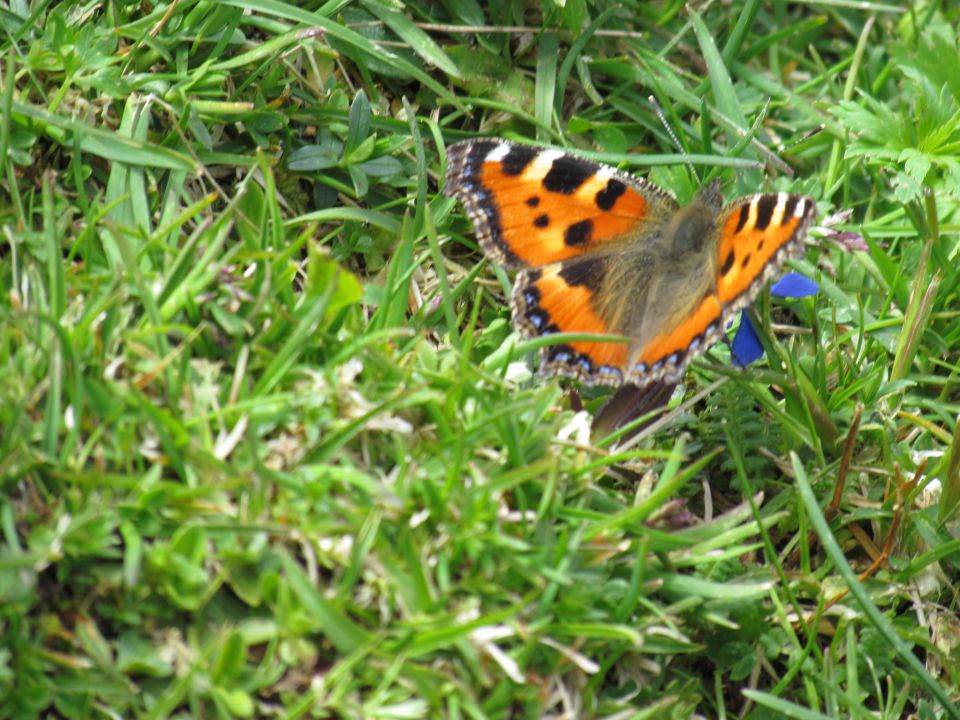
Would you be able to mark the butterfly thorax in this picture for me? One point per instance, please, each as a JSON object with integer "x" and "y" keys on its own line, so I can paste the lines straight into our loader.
{"x": 688, "y": 233}
{"x": 689, "y": 229}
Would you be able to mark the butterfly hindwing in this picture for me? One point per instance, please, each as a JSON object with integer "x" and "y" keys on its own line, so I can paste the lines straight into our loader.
{"x": 663, "y": 321}
{"x": 563, "y": 298}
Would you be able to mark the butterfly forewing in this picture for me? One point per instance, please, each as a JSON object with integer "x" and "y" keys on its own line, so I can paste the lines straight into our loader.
{"x": 757, "y": 235}
{"x": 535, "y": 207}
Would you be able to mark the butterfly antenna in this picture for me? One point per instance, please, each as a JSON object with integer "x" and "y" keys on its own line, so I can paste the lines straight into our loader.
{"x": 673, "y": 136}
{"x": 784, "y": 147}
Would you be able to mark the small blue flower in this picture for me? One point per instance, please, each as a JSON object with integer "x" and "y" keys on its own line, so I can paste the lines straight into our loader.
{"x": 746, "y": 345}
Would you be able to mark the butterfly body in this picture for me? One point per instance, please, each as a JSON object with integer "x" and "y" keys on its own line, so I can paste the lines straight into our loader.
{"x": 605, "y": 253}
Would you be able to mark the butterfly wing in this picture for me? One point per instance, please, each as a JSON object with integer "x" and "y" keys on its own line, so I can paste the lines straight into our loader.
{"x": 567, "y": 297}
{"x": 533, "y": 207}
{"x": 566, "y": 223}
{"x": 604, "y": 253}
{"x": 758, "y": 234}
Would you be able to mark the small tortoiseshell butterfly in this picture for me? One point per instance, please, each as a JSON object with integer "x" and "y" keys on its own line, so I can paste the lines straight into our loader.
{"x": 603, "y": 252}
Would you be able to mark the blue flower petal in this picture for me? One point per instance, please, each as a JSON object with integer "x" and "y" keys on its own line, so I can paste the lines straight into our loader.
{"x": 794, "y": 285}
{"x": 746, "y": 345}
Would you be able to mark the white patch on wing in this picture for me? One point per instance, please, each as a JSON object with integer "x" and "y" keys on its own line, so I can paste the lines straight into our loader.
{"x": 777, "y": 216}
{"x": 604, "y": 173}
{"x": 801, "y": 208}
{"x": 541, "y": 164}
{"x": 498, "y": 153}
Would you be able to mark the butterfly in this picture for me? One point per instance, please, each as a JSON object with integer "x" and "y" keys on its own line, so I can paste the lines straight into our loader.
{"x": 601, "y": 252}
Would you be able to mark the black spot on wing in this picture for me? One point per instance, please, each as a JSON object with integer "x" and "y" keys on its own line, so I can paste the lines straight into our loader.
{"x": 607, "y": 197}
{"x": 541, "y": 221}
{"x": 533, "y": 201}
{"x": 765, "y": 206}
{"x": 478, "y": 150}
{"x": 579, "y": 233}
{"x": 584, "y": 272}
{"x": 567, "y": 174}
{"x": 744, "y": 216}
{"x": 745, "y": 261}
{"x": 517, "y": 159}
{"x": 727, "y": 263}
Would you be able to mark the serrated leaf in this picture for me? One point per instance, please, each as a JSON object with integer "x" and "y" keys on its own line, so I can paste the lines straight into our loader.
{"x": 906, "y": 188}
{"x": 877, "y": 124}
{"x": 915, "y": 163}
{"x": 951, "y": 176}
{"x": 935, "y": 58}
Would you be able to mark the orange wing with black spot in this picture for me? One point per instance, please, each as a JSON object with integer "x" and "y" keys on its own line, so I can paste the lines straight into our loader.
{"x": 533, "y": 207}
{"x": 565, "y": 298}
{"x": 757, "y": 235}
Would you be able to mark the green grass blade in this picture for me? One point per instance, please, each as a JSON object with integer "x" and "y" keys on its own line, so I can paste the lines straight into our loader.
{"x": 859, "y": 593}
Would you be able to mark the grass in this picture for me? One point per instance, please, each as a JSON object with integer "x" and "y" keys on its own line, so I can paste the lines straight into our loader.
{"x": 268, "y": 443}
